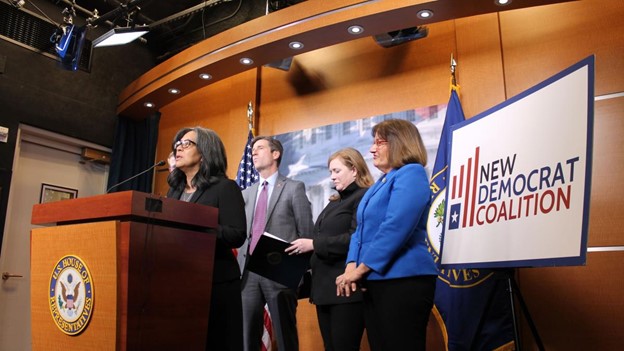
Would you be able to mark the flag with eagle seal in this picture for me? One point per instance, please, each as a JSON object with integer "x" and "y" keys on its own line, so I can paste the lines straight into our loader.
{"x": 471, "y": 305}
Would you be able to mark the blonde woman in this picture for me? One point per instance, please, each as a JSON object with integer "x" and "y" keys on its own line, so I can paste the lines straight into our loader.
{"x": 341, "y": 320}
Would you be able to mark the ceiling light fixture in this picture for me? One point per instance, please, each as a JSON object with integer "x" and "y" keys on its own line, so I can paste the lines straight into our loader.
{"x": 148, "y": 104}
{"x": 120, "y": 36}
{"x": 246, "y": 61}
{"x": 174, "y": 91}
{"x": 205, "y": 76}
{"x": 502, "y": 2}
{"x": 296, "y": 45}
{"x": 424, "y": 14}
{"x": 355, "y": 30}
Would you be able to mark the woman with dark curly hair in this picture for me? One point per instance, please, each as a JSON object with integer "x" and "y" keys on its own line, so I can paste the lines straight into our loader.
{"x": 199, "y": 176}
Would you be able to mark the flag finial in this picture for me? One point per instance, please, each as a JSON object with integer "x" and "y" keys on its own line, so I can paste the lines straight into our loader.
{"x": 454, "y": 85}
{"x": 250, "y": 116}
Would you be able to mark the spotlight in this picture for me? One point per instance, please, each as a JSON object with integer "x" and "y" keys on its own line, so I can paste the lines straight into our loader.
{"x": 68, "y": 43}
{"x": 283, "y": 64}
{"x": 18, "y": 3}
{"x": 398, "y": 37}
{"x": 120, "y": 36}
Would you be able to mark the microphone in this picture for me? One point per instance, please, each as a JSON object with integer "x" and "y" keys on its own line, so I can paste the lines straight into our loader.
{"x": 158, "y": 164}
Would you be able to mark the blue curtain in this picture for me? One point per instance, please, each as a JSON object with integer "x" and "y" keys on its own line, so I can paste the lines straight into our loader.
{"x": 134, "y": 151}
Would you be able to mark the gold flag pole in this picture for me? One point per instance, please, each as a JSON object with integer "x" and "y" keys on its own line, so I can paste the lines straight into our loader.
{"x": 453, "y": 85}
{"x": 250, "y": 112}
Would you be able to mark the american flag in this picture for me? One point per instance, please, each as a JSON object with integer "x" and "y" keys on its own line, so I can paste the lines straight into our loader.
{"x": 245, "y": 177}
{"x": 247, "y": 174}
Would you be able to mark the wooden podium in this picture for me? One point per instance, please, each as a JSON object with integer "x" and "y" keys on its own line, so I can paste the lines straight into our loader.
{"x": 149, "y": 263}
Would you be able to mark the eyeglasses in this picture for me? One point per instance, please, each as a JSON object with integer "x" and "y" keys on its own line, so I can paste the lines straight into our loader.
{"x": 185, "y": 144}
{"x": 380, "y": 142}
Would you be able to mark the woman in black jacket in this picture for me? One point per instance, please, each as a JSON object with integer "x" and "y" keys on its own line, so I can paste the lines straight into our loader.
{"x": 199, "y": 176}
{"x": 341, "y": 319}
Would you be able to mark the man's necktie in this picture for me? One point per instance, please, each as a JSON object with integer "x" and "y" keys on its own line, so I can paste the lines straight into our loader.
{"x": 259, "y": 217}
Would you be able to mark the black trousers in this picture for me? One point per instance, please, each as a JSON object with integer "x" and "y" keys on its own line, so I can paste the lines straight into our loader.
{"x": 342, "y": 325}
{"x": 396, "y": 312}
{"x": 225, "y": 324}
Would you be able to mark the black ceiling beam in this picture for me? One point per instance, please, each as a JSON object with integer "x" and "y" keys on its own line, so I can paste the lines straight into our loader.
{"x": 114, "y": 13}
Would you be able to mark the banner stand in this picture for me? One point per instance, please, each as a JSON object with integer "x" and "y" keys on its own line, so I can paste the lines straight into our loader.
{"x": 514, "y": 290}
{"x": 508, "y": 274}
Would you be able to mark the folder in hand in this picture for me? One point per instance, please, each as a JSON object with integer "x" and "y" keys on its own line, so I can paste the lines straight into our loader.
{"x": 270, "y": 261}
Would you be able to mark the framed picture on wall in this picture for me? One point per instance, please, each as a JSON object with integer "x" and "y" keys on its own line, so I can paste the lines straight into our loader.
{"x": 51, "y": 193}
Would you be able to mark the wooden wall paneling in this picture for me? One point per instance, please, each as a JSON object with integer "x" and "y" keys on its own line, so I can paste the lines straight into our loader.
{"x": 221, "y": 107}
{"x": 576, "y": 308}
{"x": 357, "y": 79}
{"x": 479, "y": 65}
{"x": 539, "y": 42}
{"x": 307, "y": 327}
{"x": 607, "y": 198}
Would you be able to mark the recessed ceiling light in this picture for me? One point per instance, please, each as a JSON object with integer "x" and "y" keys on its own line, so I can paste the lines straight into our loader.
{"x": 502, "y": 2}
{"x": 148, "y": 104}
{"x": 246, "y": 61}
{"x": 205, "y": 76}
{"x": 424, "y": 14}
{"x": 296, "y": 45}
{"x": 355, "y": 30}
{"x": 174, "y": 91}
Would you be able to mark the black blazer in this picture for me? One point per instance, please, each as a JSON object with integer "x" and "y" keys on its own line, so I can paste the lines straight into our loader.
{"x": 226, "y": 196}
{"x": 331, "y": 238}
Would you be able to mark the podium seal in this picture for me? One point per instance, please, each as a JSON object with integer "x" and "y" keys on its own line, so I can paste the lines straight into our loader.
{"x": 71, "y": 295}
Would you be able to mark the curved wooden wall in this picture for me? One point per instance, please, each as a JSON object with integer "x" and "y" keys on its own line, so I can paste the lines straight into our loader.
{"x": 315, "y": 23}
{"x": 499, "y": 55}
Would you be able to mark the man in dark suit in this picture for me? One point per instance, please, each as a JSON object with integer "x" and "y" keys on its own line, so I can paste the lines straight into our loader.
{"x": 287, "y": 214}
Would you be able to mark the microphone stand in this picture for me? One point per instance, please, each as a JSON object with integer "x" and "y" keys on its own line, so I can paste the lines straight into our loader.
{"x": 160, "y": 163}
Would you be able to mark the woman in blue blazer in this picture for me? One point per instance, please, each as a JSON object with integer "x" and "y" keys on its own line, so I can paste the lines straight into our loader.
{"x": 388, "y": 258}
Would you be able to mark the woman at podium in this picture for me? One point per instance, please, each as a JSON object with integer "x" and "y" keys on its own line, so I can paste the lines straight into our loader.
{"x": 199, "y": 176}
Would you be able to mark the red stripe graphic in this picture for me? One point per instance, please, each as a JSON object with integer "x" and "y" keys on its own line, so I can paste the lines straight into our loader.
{"x": 474, "y": 187}
{"x": 467, "y": 196}
{"x": 461, "y": 181}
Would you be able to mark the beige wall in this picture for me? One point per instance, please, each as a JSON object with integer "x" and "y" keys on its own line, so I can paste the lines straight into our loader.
{"x": 499, "y": 56}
